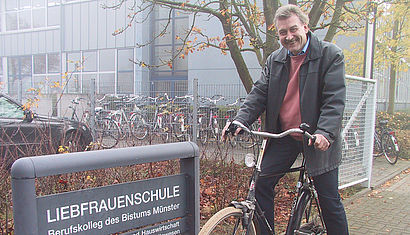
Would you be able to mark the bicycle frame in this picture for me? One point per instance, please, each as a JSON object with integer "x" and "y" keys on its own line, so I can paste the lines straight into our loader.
{"x": 250, "y": 206}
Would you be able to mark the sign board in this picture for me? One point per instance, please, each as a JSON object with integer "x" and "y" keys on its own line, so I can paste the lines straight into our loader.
{"x": 163, "y": 205}
{"x": 113, "y": 208}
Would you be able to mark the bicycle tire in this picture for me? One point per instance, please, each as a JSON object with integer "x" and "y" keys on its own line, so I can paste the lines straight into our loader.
{"x": 107, "y": 133}
{"x": 389, "y": 148}
{"x": 138, "y": 126}
{"x": 203, "y": 136}
{"x": 303, "y": 221}
{"x": 227, "y": 221}
{"x": 377, "y": 149}
{"x": 178, "y": 132}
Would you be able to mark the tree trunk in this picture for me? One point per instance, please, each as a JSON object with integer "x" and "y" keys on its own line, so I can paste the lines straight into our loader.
{"x": 271, "y": 44}
{"x": 393, "y": 72}
{"x": 236, "y": 55}
{"x": 334, "y": 24}
{"x": 392, "y": 89}
{"x": 315, "y": 13}
{"x": 240, "y": 65}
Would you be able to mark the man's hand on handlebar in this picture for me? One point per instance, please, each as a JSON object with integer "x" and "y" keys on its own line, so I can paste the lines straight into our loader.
{"x": 230, "y": 128}
{"x": 321, "y": 143}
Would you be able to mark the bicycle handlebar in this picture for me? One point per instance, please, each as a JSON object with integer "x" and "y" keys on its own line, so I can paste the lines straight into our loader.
{"x": 279, "y": 135}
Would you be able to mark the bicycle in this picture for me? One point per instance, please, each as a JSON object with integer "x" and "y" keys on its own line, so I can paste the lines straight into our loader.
{"x": 241, "y": 217}
{"x": 159, "y": 117}
{"x": 106, "y": 132}
{"x": 73, "y": 106}
{"x": 385, "y": 143}
{"x": 133, "y": 124}
{"x": 208, "y": 119}
{"x": 181, "y": 118}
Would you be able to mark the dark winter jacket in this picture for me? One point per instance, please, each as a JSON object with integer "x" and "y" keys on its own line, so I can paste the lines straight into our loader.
{"x": 322, "y": 98}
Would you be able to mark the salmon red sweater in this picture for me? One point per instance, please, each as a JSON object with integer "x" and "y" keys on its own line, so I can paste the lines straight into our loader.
{"x": 290, "y": 111}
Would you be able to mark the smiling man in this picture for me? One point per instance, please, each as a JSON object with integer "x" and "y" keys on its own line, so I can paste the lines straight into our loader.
{"x": 303, "y": 82}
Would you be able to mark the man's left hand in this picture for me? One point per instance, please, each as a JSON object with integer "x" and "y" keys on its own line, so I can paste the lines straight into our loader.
{"x": 321, "y": 142}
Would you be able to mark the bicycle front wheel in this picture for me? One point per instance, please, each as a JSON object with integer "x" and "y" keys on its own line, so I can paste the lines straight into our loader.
{"x": 390, "y": 150}
{"x": 227, "y": 221}
{"x": 306, "y": 218}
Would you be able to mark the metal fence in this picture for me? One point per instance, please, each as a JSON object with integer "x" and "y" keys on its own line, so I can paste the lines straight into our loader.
{"x": 358, "y": 132}
{"x": 172, "y": 114}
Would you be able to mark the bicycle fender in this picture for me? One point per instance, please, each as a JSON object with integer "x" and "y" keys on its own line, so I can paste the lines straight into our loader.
{"x": 244, "y": 205}
{"x": 237, "y": 205}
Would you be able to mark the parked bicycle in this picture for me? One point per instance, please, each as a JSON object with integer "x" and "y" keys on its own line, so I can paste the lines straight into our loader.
{"x": 106, "y": 130}
{"x": 182, "y": 118}
{"x": 385, "y": 143}
{"x": 241, "y": 217}
{"x": 208, "y": 119}
{"x": 131, "y": 123}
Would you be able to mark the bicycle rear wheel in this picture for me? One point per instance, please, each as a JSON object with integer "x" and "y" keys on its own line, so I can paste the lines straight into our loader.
{"x": 389, "y": 148}
{"x": 306, "y": 219}
{"x": 107, "y": 133}
{"x": 227, "y": 221}
{"x": 139, "y": 128}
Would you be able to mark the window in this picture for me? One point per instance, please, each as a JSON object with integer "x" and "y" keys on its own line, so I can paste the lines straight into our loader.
{"x": 25, "y": 65}
{"x": 24, "y": 19}
{"x": 11, "y": 5}
{"x": 90, "y": 61}
{"x": 72, "y": 83}
{"x": 107, "y": 83}
{"x": 1, "y": 66}
{"x": 125, "y": 83}
{"x": 13, "y": 66}
{"x": 26, "y": 83}
{"x": 52, "y": 84}
{"x": 39, "y": 64}
{"x": 107, "y": 60}
{"x": 1, "y": 74}
{"x": 124, "y": 57}
{"x": 164, "y": 47}
{"x": 40, "y": 82}
{"x": 9, "y": 109}
{"x": 73, "y": 61}
{"x": 54, "y": 63}
{"x": 53, "y": 15}
{"x": 87, "y": 81}
{"x": 38, "y": 18}
{"x": 25, "y": 14}
{"x": 11, "y": 21}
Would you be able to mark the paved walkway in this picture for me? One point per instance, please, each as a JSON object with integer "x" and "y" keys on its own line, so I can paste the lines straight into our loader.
{"x": 384, "y": 209}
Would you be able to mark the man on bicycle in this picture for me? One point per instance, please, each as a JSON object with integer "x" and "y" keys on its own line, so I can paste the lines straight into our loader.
{"x": 303, "y": 82}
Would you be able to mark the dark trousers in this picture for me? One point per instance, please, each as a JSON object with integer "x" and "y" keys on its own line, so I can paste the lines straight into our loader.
{"x": 280, "y": 156}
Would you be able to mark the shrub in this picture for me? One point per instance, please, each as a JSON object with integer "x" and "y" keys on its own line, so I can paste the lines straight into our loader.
{"x": 400, "y": 123}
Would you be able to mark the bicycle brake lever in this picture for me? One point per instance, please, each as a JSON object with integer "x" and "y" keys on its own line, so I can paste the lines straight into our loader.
{"x": 237, "y": 124}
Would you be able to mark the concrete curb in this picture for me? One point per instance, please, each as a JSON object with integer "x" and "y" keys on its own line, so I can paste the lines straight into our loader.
{"x": 376, "y": 184}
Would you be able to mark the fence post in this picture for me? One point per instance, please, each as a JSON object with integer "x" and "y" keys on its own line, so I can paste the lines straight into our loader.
{"x": 195, "y": 111}
{"x": 92, "y": 105}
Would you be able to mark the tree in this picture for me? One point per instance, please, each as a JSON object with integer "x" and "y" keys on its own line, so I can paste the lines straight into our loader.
{"x": 247, "y": 25}
{"x": 392, "y": 46}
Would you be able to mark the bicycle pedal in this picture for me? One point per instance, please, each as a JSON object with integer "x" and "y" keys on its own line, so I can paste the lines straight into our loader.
{"x": 299, "y": 232}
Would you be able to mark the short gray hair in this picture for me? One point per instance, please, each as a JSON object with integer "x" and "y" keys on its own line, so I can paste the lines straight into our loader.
{"x": 287, "y": 11}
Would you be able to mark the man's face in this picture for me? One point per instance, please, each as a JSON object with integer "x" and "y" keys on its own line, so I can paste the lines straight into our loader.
{"x": 292, "y": 34}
